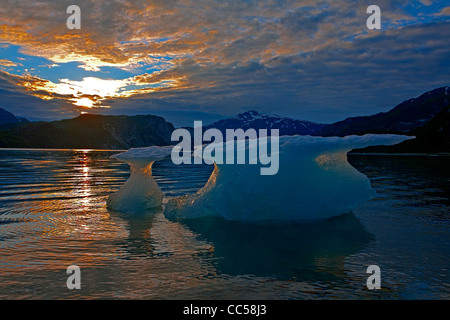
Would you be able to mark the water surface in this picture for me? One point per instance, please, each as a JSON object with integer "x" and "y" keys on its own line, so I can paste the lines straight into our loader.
{"x": 53, "y": 214}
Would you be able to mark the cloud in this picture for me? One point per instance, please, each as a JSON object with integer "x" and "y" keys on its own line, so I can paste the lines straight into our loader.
{"x": 309, "y": 59}
{"x": 7, "y": 63}
{"x": 368, "y": 75}
{"x": 444, "y": 12}
{"x": 17, "y": 99}
{"x": 90, "y": 92}
{"x": 124, "y": 33}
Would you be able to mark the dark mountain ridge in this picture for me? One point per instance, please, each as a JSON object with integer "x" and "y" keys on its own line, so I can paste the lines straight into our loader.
{"x": 7, "y": 117}
{"x": 426, "y": 117}
{"x": 90, "y": 131}
{"x": 408, "y": 115}
{"x": 433, "y": 137}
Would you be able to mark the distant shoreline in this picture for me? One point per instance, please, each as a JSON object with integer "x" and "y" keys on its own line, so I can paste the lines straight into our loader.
{"x": 50, "y": 149}
{"x": 443, "y": 154}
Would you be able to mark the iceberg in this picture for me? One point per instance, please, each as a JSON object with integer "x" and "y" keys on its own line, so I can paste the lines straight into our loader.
{"x": 314, "y": 181}
{"x": 140, "y": 192}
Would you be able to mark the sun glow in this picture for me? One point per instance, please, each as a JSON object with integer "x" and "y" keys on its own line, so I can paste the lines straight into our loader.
{"x": 91, "y": 86}
{"x": 84, "y": 102}
{"x": 90, "y": 92}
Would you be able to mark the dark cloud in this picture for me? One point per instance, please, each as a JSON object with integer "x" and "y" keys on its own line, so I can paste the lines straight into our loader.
{"x": 19, "y": 101}
{"x": 367, "y": 76}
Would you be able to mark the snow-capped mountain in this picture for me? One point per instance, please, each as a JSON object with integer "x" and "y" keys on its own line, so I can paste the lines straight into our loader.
{"x": 426, "y": 117}
{"x": 256, "y": 120}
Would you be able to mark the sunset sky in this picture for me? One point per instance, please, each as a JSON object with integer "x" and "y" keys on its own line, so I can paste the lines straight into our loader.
{"x": 192, "y": 60}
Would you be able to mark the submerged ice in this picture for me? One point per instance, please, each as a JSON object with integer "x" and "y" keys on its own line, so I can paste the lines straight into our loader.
{"x": 314, "y": 181}
{"x": 140, "y": 192}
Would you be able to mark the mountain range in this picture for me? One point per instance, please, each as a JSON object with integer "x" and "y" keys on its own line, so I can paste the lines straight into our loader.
{"x": 411, "y": 114}
{"x": 253, "y": 119}
{"x": 433, "y": 137}
{"x": 89, "y": 131}
{"x": 427, "y": 117}
{"x": 405, "y": 117}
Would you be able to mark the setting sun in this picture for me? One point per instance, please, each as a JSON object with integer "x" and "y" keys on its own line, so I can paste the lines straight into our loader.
{"x": 84, "y": 102}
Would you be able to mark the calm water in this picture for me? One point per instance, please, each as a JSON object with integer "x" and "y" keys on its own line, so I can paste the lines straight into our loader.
{"x": 53, "y": 214}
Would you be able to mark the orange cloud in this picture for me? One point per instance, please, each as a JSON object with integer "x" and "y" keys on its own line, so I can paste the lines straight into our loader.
{"x": 7, "y": 63}
{"x": 90, "y": 92}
